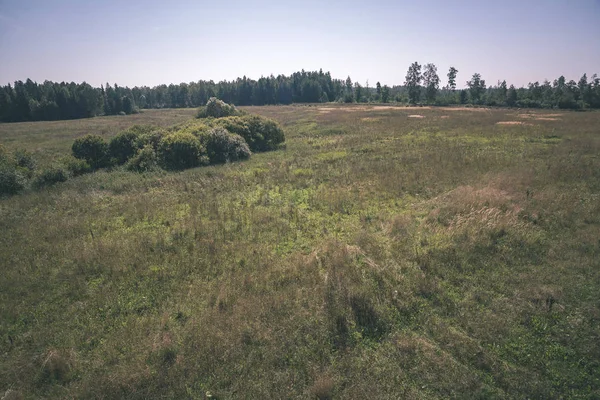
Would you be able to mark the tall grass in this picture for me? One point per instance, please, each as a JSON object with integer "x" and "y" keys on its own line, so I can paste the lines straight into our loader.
{"x": 377, "y": 256}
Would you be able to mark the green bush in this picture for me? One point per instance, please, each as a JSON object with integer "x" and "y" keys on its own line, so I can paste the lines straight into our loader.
{"x": 195, "y": 127}
{"x": 50, "y": 176}
{"x": 24, "y": 159}
{"x": 181, "y": 150}
{"x": 93, "y": 149}
{"x": 145, "y": 160}
{"x": 261, "y": 134}
{"x": 76, "y": 166}
{"x": 12, "y": 179}
{"x": 223, "y": 146}
{"x": 124, "y": 145}
{"x": 216, "y": 108}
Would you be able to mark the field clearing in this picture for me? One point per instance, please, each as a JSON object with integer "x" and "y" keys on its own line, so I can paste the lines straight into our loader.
{"x": 379, "y": 255}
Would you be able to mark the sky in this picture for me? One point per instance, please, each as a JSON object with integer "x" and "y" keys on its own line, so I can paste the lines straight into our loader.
{"x": 151, "y": 42}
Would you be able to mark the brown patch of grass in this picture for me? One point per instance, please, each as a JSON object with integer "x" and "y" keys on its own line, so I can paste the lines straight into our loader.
{"x": 511, "y": 123}
{"x": 369, "y": 108}
{"x": 416, "y": 116}
{"x": 323, "y": 387}
{"x": 541, "y": 117}
{"x": 474, "y": 109}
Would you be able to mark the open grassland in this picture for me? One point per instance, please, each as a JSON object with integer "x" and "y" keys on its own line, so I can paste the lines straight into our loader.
{"x": 385, "y": 253}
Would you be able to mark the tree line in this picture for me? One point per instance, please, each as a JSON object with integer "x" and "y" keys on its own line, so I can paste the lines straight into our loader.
{"x": 422, "y": 86}
{"x": 30, "y": 101}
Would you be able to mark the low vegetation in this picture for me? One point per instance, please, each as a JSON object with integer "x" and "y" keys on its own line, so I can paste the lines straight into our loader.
{"x": 377, "y": 255}
{"x": 145, "y": 148}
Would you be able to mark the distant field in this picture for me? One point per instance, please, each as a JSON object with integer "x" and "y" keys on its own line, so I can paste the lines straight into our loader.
{"x": 48, "y": 139}
{"x": 419, "y": 253}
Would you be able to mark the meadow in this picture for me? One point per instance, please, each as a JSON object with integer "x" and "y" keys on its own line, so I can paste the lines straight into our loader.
{"x": 385, "y": 252}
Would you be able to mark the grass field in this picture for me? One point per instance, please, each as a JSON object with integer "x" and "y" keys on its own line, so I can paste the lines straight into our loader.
{"x": 384, "y": 253}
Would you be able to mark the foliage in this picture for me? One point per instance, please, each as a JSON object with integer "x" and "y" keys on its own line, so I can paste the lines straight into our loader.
{"x": 463, "y": 97}
{"x": 216, "y": 108}
{"x": 124, "y": 145}
{"x": 476, "y": 88}
{"x": 385, "y": 94}
{"x": 30, "y": 101}
{"x": 12, "y": 179}
{"x": 452, "y": 72}
{"x": 222, "y": 146}
{"x": 144, "y": 160}
{"x": 181, "y": 150}
{"x": 50, "y": 176}
{"x": 24, "y": 159}
{"x": 76, "y": 166}
{"x": 431, "y": 80}
{"x": 261, "y": 134}
{"x": 93, "y": 149}
{"x": 412, "y": 82}
{"x": 511, "y": 96}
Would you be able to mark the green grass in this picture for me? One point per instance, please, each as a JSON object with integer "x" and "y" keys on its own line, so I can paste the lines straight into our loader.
{"x": 376, "y": 256}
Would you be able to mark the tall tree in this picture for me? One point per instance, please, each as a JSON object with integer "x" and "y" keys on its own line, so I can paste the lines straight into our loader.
{"x": 476, "y": 88}
{"x": 385, "y": 94}
{"x": 431, "y": 80}
{"x": 452, "y": 78}
{"x": 412, "y": 82}
{"x": 378, "y": 86}
{"x": 349, "y": 95}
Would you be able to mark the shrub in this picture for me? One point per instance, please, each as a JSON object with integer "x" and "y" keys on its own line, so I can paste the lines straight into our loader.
{"x": 124, "y": 145}
{"x": 12, "y": 180}
{"x": 260, "y": 133}
{"x": 223, "y": 146}
{"x": 216, "y": 108}
{"x": 181, "y": 150}
{"x": 145, "y": 160}
{"x": 93, "y": 149}
{"x": 50, "y": 176}
{"x": 24, "y": 159}
{"x": 76, "y": 166}
{"x": 195, "y": 127}
{"x": 149, "y": 135}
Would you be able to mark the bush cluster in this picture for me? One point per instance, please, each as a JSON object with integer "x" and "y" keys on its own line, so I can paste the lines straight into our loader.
{"x": 223, "y": 146}
{"x": 13, "y": 177}
{"x": 50, "y": 176}
{"x": 216, "y": 108}
{"x": 12, "y": 180}
{"x": 229, "y": 135}
{"x": 93, "y": 149}
{"x": 145, "y": 160}
{"x": 261, "y": 134}
{"x": 181, "y": 150}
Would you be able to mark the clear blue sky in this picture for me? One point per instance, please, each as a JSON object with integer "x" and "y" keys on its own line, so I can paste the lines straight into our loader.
{"x": 151, "y": 42}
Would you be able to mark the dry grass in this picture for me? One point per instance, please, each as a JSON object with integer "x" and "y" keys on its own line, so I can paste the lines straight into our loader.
{"x": 511, "y": 123}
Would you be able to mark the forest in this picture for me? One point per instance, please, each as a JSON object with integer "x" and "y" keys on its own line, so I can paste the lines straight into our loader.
{"x": 48, "y": 101}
